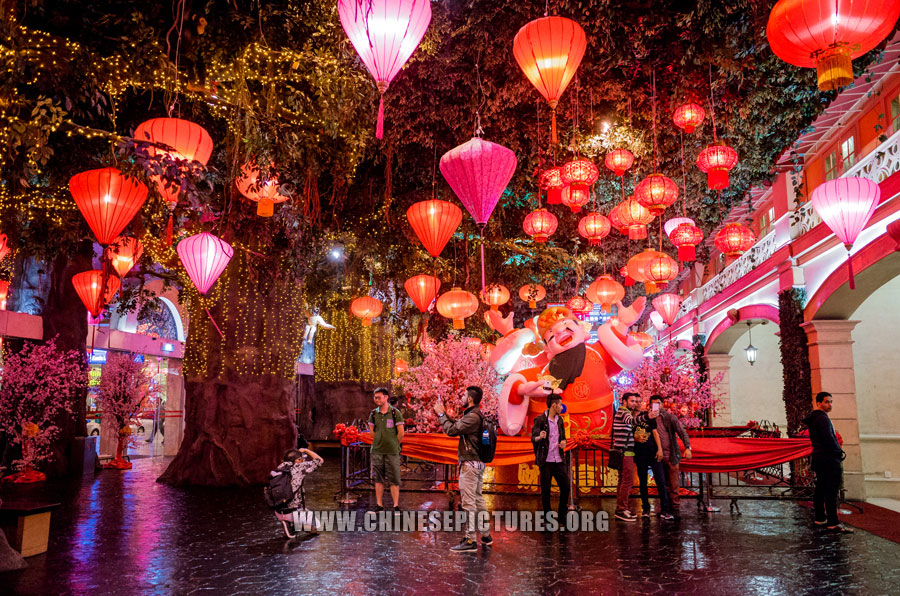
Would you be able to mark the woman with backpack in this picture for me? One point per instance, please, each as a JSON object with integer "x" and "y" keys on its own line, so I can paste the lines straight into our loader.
{"x": 297, "y": 464}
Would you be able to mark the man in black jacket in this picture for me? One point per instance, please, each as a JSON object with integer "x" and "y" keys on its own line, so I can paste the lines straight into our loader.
{"x": 826, "y": 459}
{"x": 548, "y": 435}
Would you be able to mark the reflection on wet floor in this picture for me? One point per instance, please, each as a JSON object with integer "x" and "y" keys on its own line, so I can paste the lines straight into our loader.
{"x": 124, "y": 533}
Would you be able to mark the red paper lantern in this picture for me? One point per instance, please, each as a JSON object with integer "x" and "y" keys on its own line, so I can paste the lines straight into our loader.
{"x": 265, "y": 193}
{"x": 549, "y": 51}
{"x": 688, "y": 117}
{"x": 631, "y": 218}
{"x": 4, "y": 293}
{"x": 551, "y": 181}
{"x": 422, "y": 289}
{"x": 717, "y": 161}
{"x": 123, "y": 253}
{"x": 667, "y": 306}
{"x": 660, "y": 270}
{"x": 532, "y": 294}
{"x": 204, "y": 257}
{"x": 605, "y": 291}
{"x": 96, "y": 289}
{"x": 656, "y": 192}
{"x": 107, "y": 200}
{"x": 177, "y": 138}
{"x": 686, "y": 237}
{"x": 4, "y": 247}
{"x": 594, "y": 227}
{"x": 733, "y": 240}
{"x": 619, "y": 160}
{"x": 434, "y": 222}
{"x": 495, "y": 295}
{"x": 828, "y": 34}
{"x": 574, "y": 201}
{"x": 579, "y": 174}
{"x": 673, "y": 223}
{"x": 366, "y": 308}
{"x": 627, "y": 279}
{"x": 457, "y": 304}
{"x": 579, "y": 306}
{"x": 846, "y": 205}
{"x": 540, "y": 224}
{"x": 385, "y": 33}
{"x": 643, "y": 339}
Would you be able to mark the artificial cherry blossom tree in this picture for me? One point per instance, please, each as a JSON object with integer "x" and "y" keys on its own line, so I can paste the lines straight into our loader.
{"x": 123, "y": 385}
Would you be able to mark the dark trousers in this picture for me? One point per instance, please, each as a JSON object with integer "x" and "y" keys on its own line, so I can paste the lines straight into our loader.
{"x": 828, "y": 483}
{"x": 549, "y": 471}
{"x": 643, "y": 463}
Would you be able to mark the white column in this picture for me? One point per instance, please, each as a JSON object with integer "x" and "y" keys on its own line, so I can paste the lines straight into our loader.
{"x": 720, "y": 364}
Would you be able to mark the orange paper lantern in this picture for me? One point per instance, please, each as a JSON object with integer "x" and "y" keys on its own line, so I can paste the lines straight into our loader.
{"x": 540, "y": 224}
{"x": 457, "y": 304}
{"x": 619, "y": 160}
{"x": 594, "y": 227}
{"x": 656, "y": 192}
{"x": 422, "y": 289}
{"x": 532, "y": 294}
{"x": 265, "y": 193}
{"x": 107, "y": 200}
{"x": 366, "y": 308}
{"x": 177, "y": 138}
{"x": 495, "y": 296}
{"x": 96, "y": 289}
{"x": 605, "y": 291}
{"x": 660, "y": 270}
{"x": 549, "y": 51}
{"x": 434, "y": 222}
{"x": 688, "y": 117}
{"x": 123, "y": 253}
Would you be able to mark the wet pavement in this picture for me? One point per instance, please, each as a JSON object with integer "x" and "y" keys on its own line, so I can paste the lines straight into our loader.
{"x": 123, "y": 533}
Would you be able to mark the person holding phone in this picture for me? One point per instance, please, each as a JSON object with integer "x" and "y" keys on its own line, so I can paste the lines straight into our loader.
{"x": 670, "y": 430}
{"x": 648, "y": 454}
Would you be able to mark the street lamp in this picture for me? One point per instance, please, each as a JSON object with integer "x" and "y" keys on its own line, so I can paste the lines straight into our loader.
{"x": 751, "y": 349}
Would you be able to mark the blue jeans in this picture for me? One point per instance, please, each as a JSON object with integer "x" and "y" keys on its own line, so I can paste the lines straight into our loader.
{"x": 643, "y": 462}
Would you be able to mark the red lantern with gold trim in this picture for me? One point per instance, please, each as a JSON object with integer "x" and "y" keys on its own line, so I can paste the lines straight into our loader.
{"x": 631, "y": 218}
{"x": 688, "y": 117}
{"x": 579, "y": 174}
{"x": 717, "y": 160}
{"x": 619, "y": 160}
{"x": 656, "y": 192}
{"x": 733, "y": 240}
{"x": 551, "y": 181}
{"x": 660, "y": 270}
{"x": 540, "y": 224}
{"x": 595, "y": 227}
{"x": 686, "y": 237}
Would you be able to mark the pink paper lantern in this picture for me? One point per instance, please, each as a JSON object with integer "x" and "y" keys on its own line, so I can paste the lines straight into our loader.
{"x": 478, "y": 172}
{"x": 657, "y": 321}
{"x": 205, "y": 257}
{"x": 667, "y": 306}
{"x": 846, "y": 205}
{"x": 385, "y": 33}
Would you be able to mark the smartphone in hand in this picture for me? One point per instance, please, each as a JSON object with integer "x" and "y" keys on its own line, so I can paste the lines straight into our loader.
{"x": 655, "y": 406}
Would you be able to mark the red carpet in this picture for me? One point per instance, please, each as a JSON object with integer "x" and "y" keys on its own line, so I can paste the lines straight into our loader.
{"x": 874, "y": 519}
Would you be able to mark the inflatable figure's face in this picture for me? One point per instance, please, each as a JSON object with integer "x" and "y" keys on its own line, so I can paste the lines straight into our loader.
{"x": 564, "y": 335}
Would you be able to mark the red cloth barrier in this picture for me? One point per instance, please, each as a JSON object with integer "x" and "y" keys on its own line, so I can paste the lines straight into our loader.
{"x": 721, "y": 454}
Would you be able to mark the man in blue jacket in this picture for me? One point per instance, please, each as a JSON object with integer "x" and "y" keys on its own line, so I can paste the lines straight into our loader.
{"x": 826, "y": 459}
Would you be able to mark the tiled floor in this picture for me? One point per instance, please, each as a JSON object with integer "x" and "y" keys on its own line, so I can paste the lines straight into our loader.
{"x": 123, "y": 533}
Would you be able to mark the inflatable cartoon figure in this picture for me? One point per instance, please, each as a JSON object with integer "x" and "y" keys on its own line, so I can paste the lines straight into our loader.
{"x": 566, "y": 365}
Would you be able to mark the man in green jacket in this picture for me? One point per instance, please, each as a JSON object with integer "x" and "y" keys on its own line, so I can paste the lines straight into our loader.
{"x": 471, "y": 469}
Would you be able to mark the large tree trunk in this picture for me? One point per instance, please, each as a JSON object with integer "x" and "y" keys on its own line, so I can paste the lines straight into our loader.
{"x": 239, "y": 410}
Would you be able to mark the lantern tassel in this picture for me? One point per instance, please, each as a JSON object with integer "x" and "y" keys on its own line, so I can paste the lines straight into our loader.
{"x": 169, "y": 230}
{"x": 216, "y": 325}
{"x": 850, "y": 271}
{"x": 379, "y": 127}
{"x": 553, "y": 127}
{"x": 482, "y": 259}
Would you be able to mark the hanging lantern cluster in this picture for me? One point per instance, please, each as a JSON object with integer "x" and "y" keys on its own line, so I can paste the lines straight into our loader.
{"x": 551, "y": 180}
{"x": 540, "y": 224}
{"x": 579, "y": 174}
{"x": 653, "y": 268}
{"x": 619, "y": 161}
{"x": 457, "y": 304}
{"x": 366, "y": 308}
{"x": 594, "y": 227}
{"x": 733, "y": 240}
{"x": 532, "y": 294}
{"x": 434, "y": 222}
{"x": 716, "y": 161}
{"x": 829, "y": 34}
{"x": 385, "y": 33}
{"x": 495, "y": 296}
{"x": 549, "y": 51}
{"x": 605, "y": 291}
{"x": 688, "y": 117}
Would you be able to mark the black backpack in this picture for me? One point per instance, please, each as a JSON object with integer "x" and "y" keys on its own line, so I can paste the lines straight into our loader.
{"x": 487, "y": 450}
{"x": 279, "y": 493}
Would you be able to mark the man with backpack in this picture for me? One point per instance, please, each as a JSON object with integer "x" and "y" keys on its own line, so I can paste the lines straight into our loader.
{"x": 387, "y": 427}
{"x": 472, "y": 451}
{"x": 548, "y": 436}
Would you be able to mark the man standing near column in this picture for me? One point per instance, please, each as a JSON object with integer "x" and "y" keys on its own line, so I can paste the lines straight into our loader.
{"x": 548, "y": 436}
{"x": 471, "y": 469}
{"x": 387, "y": 427}
{"x": 826, "y": 459}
